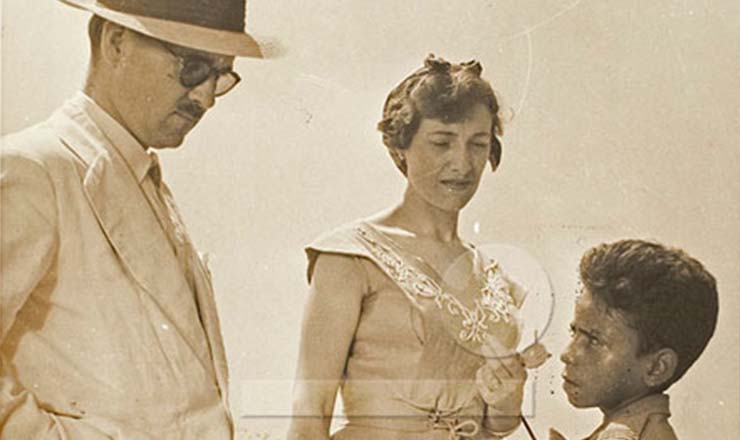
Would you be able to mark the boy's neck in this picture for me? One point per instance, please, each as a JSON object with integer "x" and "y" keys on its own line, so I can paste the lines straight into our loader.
{"x": 609, "y": 412}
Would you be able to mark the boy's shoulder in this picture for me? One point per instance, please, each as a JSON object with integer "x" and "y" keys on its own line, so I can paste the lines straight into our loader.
{"x": 658, "y": 428}
{"x": 645, "y": 419}
{"x": 655, "y": 428}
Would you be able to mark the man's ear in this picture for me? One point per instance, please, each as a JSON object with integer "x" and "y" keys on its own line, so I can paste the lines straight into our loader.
{"x": 663, "y": 364}
{"x": 112, "y": 39}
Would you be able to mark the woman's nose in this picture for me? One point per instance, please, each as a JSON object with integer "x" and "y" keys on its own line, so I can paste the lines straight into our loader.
{"x": 460, "y": 160}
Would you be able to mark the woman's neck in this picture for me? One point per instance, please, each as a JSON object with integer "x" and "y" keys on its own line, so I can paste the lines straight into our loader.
{"x": 424, "y": 219}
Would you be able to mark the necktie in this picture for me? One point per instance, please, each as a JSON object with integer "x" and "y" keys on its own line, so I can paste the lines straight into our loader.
{"x": 166, "y": 212}
{"x": 171, "y": 221}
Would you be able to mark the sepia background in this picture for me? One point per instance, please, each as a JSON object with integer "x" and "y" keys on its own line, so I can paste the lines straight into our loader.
{"x": 622, "y": 121}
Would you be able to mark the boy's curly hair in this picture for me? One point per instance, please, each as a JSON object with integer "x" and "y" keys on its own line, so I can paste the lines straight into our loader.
{"x": 663, "y": 293}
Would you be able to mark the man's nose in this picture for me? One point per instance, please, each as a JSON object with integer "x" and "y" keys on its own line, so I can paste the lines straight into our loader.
{"x": 204, "y": 93}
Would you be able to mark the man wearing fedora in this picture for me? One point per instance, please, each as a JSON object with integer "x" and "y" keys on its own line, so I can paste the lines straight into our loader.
{"x": 108, "y": 325}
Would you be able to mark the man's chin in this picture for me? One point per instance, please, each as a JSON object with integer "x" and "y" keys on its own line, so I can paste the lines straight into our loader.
{"x": 171, "y": 143}
{"x": 168, "y": 146}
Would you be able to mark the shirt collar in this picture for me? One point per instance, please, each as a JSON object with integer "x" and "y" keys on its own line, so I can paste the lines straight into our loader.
{"x": 636, "y": 414}
{"x": 133, "y": 152}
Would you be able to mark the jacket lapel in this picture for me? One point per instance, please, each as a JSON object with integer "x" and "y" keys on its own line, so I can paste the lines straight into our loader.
{"x": 139, "y": 241}
{"x": 209, "y": 318}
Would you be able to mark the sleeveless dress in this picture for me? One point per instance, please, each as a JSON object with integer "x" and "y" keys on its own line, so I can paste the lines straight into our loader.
{"x": 410, "y": 373}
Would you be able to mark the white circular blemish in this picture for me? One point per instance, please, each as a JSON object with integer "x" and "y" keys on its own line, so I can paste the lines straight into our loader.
{"x": 165, "y": 327}
{"x": 476, "y": 227}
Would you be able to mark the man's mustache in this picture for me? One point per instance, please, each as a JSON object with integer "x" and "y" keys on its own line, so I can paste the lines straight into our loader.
{"x": 191, "y": 108}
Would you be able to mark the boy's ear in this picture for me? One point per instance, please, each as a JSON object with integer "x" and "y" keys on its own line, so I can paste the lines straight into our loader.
{"x": 661, "y": 368}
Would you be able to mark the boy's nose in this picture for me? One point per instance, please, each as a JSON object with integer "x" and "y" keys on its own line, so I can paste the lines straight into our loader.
{"x": 567, "y": 356}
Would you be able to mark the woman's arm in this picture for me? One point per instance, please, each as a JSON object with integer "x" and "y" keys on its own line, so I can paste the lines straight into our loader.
{"x": 330, "y": 319}
{"x": 501, "y": 385}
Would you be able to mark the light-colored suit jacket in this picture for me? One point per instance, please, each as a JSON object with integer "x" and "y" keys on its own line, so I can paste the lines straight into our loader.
{"x": 100, "y": 334}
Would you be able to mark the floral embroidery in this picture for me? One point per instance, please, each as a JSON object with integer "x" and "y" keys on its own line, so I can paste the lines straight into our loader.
{"x": 494, "y": 305}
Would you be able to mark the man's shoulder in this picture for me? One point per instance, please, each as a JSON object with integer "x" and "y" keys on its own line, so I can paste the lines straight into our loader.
{"x": 38, "y": 143}
{"x": 38, "y": 146}
{"x": 35, "y": 161}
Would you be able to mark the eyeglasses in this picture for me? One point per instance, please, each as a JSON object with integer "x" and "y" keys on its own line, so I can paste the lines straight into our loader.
{"x": 194, "y": 71}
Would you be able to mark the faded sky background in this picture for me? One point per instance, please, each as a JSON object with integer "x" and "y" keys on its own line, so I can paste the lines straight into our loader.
{"x": 623, "y": 123}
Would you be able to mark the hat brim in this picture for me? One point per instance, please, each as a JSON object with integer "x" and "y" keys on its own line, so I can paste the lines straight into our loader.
{"x": 197, "y": 37}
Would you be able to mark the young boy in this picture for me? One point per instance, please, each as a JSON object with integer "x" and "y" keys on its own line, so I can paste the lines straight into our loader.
{"x": 644, "y": 316}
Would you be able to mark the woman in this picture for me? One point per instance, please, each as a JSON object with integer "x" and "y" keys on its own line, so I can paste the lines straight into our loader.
{"x": 416, "y": 325}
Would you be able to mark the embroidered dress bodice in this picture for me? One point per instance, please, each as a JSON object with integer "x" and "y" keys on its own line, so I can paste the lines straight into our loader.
{"x": 417, "y": 347}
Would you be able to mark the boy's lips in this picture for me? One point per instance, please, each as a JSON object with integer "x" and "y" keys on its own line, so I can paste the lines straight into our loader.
{"x": 569, "y": 386}
{"x": 568, "y": 380}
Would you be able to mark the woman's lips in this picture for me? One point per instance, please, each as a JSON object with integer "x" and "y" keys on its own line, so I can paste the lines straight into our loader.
{"x": 457, "y": 184}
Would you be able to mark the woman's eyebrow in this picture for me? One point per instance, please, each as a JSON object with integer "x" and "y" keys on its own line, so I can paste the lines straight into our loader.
{"x": 449, "y": 133}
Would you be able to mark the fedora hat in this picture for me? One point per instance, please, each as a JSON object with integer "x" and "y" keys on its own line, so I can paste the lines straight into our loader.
{"x": 215, "y": 26}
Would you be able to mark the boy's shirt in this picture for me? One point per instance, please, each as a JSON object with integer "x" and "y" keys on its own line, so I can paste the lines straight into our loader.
{"x": 644, "y": 419}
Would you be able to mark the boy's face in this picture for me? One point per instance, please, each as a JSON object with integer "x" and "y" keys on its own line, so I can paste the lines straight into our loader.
{"x": 602, "y": 368}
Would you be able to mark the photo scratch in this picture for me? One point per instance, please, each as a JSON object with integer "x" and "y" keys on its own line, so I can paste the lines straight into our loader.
{"x": 527, "y": 33}
{"x": 539, "y": 24}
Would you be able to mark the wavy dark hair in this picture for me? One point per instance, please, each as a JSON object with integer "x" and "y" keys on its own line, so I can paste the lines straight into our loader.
{"x": 439, "y": 90}
{"x": 663, "y": 293}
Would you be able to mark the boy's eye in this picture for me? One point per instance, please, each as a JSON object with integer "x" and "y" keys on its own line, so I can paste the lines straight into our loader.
{"x": 480, "y": 145}
{"x": 593, "y": 341}
{"x": 442, "y": 144}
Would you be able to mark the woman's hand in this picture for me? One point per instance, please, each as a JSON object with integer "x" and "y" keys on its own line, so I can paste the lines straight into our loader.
{"x": 500, "y": 382}
{"x": 501, "y": 379}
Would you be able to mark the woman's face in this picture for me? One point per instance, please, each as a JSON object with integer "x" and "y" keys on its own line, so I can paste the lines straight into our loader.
{"x": 445, "y": 160}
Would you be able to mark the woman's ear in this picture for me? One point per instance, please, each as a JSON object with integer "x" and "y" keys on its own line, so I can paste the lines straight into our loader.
{"x": 661, "y": 368}
{"x": 494, "y": 157}
{"x": 494, "y": 164}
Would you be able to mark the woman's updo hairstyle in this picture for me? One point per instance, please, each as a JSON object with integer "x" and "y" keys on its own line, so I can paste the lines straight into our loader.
{"x": 442, "y": 91}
